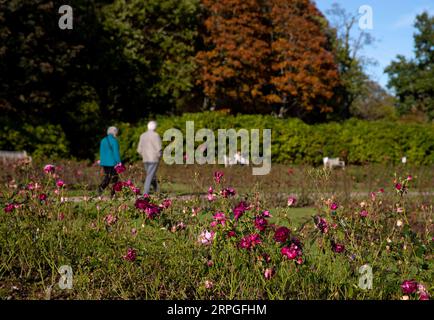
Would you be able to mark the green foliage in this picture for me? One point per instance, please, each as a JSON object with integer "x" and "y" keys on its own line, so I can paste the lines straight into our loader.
{"x": 122, "y": 60}
{"x": 355, "y": 141}
{"x": 38, "y": 141}
{"x": 413, "y": 80}
{"x": 158, "y": 38}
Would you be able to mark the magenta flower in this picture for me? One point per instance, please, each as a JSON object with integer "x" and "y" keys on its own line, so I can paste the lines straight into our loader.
{"x": 228, "y": 192}
{"x": 60, "y": 183}
{"x": 61, "y": 216}
{"x": 291, "y": 201}
{"x": 49, "y": 168}
{"x": 42, "y": 197}
{"x": 166, "y": 203}
{"x": 141, "y": 204}
{"x": 120, "y": 168}
{"x": 363, "y": 213}
{"x": 219, "y": 218}
{"x": 409, "y": 286}
{"x": 338, "y": 247}
{"x": 250, "y": 241}
{"x": 117, "y": 187}
{"x": 218, "y": 175}
{"x": 398, "y": 186}
{"x": 291, "y": 252}
{"x": 260, "y": 223}
{"x": 9, "y": 208}
{"x": 333, "y": 206}
{"x": 135, "y": 190}
{"x": 269, "y": 273}
{"x": 281, "y": 234}
{"x": 151, "y": 210}
{"x": 424, "y": 296}
{"x": 266, "y": 214}
{"x": 245, "y": 243}
{"x": 423, "y": 293}
{"x": 240, "y": 209}
{"x": 409, "y": 178}
{"x": 231, "y": 234}
{"x": 131, "y": 255}
{"x": 321, "y": 224}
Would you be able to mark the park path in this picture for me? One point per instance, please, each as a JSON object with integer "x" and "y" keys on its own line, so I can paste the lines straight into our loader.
{"x": 186, "y": 197}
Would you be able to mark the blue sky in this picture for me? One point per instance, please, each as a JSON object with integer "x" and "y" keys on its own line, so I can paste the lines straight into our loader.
{"x": 392, "y": 27}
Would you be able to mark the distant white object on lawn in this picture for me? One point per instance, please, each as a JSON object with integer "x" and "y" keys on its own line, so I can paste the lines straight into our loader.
{"x": 236, "y": 159}
{"x": 14, "y": 156}
{"x": 333, "y": 162}
{"x": 404, "y": 160}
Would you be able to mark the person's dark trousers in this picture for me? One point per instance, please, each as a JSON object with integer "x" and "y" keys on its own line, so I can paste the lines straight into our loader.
{"x": 110, "y": 175}
{"x": 151, "y": 176}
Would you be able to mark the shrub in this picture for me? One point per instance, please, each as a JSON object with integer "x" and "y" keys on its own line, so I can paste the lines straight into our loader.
{"x": 355, "y": 141}
{"x": 38, "y": 141}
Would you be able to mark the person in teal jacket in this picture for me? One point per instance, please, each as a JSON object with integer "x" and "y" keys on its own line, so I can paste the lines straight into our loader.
{"x": 109, "y": 158}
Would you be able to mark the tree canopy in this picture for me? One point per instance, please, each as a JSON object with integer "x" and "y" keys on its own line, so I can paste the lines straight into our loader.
{"x": 128, "y": 60}
{"x": 413, "y": 79}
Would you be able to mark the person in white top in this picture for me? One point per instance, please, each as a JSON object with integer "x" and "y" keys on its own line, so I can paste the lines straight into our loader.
{"x": 150, "y": 149}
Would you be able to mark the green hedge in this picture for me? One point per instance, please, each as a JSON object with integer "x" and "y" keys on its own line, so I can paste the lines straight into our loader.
{"x": 355, "y": 141}
{"x": 40, "y": 141}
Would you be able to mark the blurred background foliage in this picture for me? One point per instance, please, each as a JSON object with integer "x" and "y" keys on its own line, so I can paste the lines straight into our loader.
{"x": 126, "y": 61}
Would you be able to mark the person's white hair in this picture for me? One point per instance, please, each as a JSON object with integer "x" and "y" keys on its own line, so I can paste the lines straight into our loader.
{"x": 152, "y": 125}
{"x": 113, "y": 130}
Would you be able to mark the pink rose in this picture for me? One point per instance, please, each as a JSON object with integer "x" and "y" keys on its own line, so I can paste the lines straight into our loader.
{"x": 49, "y": 168}
{"x": 291, "y": 201}
{"x": 281, "y": 234}
{"x": 409, "y": 286}
{"x": 218, "y": 175}
{"x": 131, "y": 255}
{"x": 269, "y": 273}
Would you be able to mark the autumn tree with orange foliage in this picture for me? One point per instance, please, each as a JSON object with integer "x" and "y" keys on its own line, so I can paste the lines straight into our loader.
{"x": 234, "y": 66}
{"x": 270, "y": 55}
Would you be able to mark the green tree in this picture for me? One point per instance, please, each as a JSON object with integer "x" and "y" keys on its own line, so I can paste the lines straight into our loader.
{"x": 413, "y": 79}
{"x": 121, "y": 61}
{"x": 158, "y": 38}
{"x": 45, "y": 72}
{"x": 375, "y": 103}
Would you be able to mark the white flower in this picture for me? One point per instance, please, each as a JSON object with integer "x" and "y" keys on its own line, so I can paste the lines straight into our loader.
{"x": 208, "y": 284}
{"x": 206, "y": 237}
{"x": 399, "y": 223}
